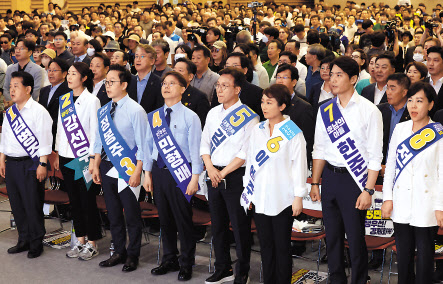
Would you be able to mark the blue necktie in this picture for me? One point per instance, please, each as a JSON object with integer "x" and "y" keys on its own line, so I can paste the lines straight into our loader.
{"x": 113, "y": 107}
{"x": 160, "y": 162}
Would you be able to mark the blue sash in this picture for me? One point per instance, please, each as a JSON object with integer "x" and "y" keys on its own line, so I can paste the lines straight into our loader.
{"x": 170, "y": 151}
{"x": 415, "y": 144}
{"x": 230, "y": 125}
{"x": 23, "y": 134}
{"x": 341, "y": 137}
{"x": 116, "y": 148}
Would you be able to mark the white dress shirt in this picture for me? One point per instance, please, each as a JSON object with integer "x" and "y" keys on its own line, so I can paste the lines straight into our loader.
{"x": 324, "y": 95}
{"x": 235, "y": 147}
{"x": 39, "y": 121}
{"x": 282, "y": 177}
{"x": 437, "y": 85}
{"x": 97, "y": 87}
{"x": 366, "y": 125}
{"x": 302, "y": 70}
{"x": 378, "y": 95}
{"x": 263, "y": 77}
{"x": 418, "y": 192}
{"x": 363, "y": 75}
{"x": 86, "y": 107}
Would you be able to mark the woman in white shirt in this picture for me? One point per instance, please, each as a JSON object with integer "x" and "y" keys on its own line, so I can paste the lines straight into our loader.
{"x": 280, "y": 185}
{"x": 84, "y": 207}
{"x": 360, "y": 57}
{"x": 415, "y": 200}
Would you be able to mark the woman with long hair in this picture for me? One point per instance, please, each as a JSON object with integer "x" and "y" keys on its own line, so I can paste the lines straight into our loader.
{"x": 219, "y": 53}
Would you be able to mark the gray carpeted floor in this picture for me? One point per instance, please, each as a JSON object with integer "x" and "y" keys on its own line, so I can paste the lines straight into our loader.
{"x": 54, "y": 267}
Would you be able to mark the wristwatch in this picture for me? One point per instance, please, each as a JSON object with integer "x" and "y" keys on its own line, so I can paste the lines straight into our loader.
{"x": 370, "y": 191}
{"x": 43, "y": 164}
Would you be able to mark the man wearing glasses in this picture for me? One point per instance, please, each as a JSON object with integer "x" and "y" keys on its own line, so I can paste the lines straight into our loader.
{"x": 60, "y": 40}
{"x": 5, "y": 42}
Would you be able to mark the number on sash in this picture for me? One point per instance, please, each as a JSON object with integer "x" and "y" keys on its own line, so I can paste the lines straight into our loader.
{"x": 66, "y": 100}
{"x": 126, "y": 162}
{"x": 156, "y": 120}
{"x": 273, "y": 145}
{"x": 241, "y": 117}
{"x": 12, "y": 114}
{"x": 329, "y": 108}
{"x": 419, "y": 140}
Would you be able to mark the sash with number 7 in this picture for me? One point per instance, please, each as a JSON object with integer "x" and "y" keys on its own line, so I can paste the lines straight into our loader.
{"x": 415, "y": 144}
{"x": 342, "y": 138}
{"x": 170, "y": 151}
{"x": 278, "y": 141}
{"x": 230, "y": 125}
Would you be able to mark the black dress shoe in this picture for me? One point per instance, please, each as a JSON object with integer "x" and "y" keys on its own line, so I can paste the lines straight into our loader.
{"x": 241, "y": 279}
{"x": 166, "y": 267}
{"x": 324, "y": 259}
{"x": 113, "y": 260}
{"x": 19, "y": 247}
{"x": 130, "y": 264}
{"x": 185, "y": 274}
{"x": 34, "y": 253}
{"x": 375, "y": 263}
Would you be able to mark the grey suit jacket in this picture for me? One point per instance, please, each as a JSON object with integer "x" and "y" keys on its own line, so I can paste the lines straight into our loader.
{"x": 37, "y": 73}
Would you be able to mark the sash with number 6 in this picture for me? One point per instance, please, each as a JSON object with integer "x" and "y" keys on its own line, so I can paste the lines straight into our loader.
{"x": 77, "y": 139}
{"x": 415, "y": 144}
{"x": 342, "y": 138}
{"x": 23, "y": 134}
{"x": 170, "y": 151}
{"x": 278, "y": 141}
{"x": 230, "y": 125}
{"x": 121, "y": 156}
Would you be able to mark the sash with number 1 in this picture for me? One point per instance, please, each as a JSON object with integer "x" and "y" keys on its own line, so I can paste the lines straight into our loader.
{"x": 77, "y": 139}
{"x": 342, "y": 138}
{"x": 230, "y": 125}
{"x": 278, "y": 141}
{"x": 170, "y": 151}
{"x": 415, "y": 144}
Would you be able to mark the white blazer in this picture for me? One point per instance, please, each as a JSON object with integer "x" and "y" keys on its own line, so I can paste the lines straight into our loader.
{"x": 418, "y": 191}
{"x": 86, "y": 107}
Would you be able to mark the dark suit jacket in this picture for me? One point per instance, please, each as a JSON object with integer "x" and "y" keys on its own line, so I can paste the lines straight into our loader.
{"x": 369, "y": 93}
{"x": 52, "y": 106}
{"x": 86, "y": 60}
{"x": 250, "y": 95}
{"x": 438, "y": 116}
{"x": 387, "y": 114}
{"x": 197, "y": 101}
{"x": 314, "y": 97}
{"x": 152, "y": 95}
{"x": 302, "y": 114}
{"x": 102, "y": 95}
{"x": 438, "y": 105}
{"x": 409, "y": 55}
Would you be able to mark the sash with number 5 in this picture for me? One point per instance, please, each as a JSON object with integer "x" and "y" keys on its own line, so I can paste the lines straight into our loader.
{"x": 170, "y": 151}
{"x": 23, "y": 134}
{"x": 230, "y": 125}
{"x": 278, "y": 141}
{"x": 77, "y": 139}
{"x": 342, "y": 138}
{"x": 121, "y": 156}
{"x": 415, "y": 144}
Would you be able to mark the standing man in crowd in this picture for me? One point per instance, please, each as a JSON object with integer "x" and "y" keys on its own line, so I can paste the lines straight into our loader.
{"x": 204, "y": 79}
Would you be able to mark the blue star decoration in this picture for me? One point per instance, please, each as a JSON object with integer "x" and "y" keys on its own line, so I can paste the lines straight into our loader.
{"x": 81, "y": 168}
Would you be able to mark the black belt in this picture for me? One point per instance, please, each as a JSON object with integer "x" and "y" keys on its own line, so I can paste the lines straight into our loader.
{"x": 338, "y": 170}
{"x": 219, "y": 168}
{"x": 165, "y": 167}
{"x": 17, "y": 159}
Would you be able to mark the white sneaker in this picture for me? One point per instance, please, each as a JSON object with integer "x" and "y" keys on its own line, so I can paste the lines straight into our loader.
{"x": 88, "y": 252}
{"x": 75, "y": 251}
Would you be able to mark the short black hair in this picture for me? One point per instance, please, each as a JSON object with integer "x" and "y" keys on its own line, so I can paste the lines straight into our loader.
{"x": 378, "y": 38}
{"x": 30, "y": 45}
{"x": 31, "y": 31}
{"x": 421, "y": 67}
{"x": 97, "y": 46}
{"x": 185, "y": 48}
{"x": 7, "y": 35}
{"x": 178, "y": 76}
{"x": 244, "y": 47}
{"x": 190, "y": 66}
{"x": 60, "y": 33}
{"x": 124, "y": 75}
{"x": 280, "y": 93}
{"x": 348, "y": 65}
{"x": 388, "y": 55}
{"x": 238, "y": 76}
{"x": 63, "y": 64}
{"x": 215, "y": 31}
{"x": 367, "y": 24}
{"x": 245, "y": 62}
{"x": 206, "y": 51}
{"x": 298, "y": 28}
{"x": 294, "y": 71}
{"x": 427, "y": 88}
{"x": 401, "y": 80}
{"x": 272, "y": 31}
{"x": 27, "y": 79}
{"x": 254, "y": 48}
{"x": 279, "y": 44}
{"x": 436, "y": 49}
{"x": 104, "y": 57}
{"x": 85, "y": 71}
{"x": 292, "y": 57}
{"x": 327, "y": 59}
{"x": 163, "y": 44}
{"x": 312, "y": 37}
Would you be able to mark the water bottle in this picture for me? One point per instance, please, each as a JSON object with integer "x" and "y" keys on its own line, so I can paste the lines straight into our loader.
{"x": 111, "y": 248}
{"x": 12, "y": 224}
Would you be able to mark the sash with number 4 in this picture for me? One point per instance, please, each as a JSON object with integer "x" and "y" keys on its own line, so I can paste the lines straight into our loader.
{"x": 170, "y": 151}
{"x": 230, "y": 125}
{"x": 77, "y": 139}
{"x": 342, "y": 138}
{"x": 415, "y": 144}
{"x": 278, "y": 141}
{"x": 23, "y": 134}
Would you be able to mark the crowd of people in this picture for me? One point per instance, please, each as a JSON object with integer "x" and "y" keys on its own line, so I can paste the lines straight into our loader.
{"x": 143, "y": 101}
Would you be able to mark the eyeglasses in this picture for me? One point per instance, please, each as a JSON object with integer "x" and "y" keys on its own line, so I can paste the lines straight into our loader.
{"x": 110, "y": 83}
{"x": 4, "y": 42}
{"x": 283, "y": 77}
{"x": 220, "y": 86}
{"x": 109, "y": 50}
{"x": 170, "y": 84}
{"x": 283, "y": 62}
{"x": 215, "y": 50}
{"x": 21, "y": 48}
{"x": 140, "y": 56}
{"x": 53, "y": 70}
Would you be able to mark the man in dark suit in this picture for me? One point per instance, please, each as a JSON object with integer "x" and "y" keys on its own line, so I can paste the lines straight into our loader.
{"x": 146, "y": 90}
{"x": 250, "y": 94}
{"x": 192, "y": 98}
{"x": 435, "y": 68}
{"x": 100, "y": 65}
{"x": 384, "y": 66}
{"x": 57, "y": 71}
{"x": 78, "y": 47}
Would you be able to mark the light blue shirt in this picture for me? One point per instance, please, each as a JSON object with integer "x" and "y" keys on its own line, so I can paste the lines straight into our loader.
{"x": 141, "y": 86}
{"x": 52, "y": 91}
{"x": 186, "y": 128}
{"x": 80, "y": 58}
{"x": 131, "y": 121}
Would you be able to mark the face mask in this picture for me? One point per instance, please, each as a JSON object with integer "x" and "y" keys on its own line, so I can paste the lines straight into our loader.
{"x": 264, "y": 39}
{"x": 178, "y": 56}
{"x": 14, "y": 59}
{"x": 418, "y": 57}
{"x": 90, "y": 52}
{"x": 45, "y": 61}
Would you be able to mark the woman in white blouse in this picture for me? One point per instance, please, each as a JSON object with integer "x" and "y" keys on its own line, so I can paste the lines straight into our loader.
{"x": 415, "y": 201}
{"x": 84, "y": 207}
{"x": 280, "y": 185}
